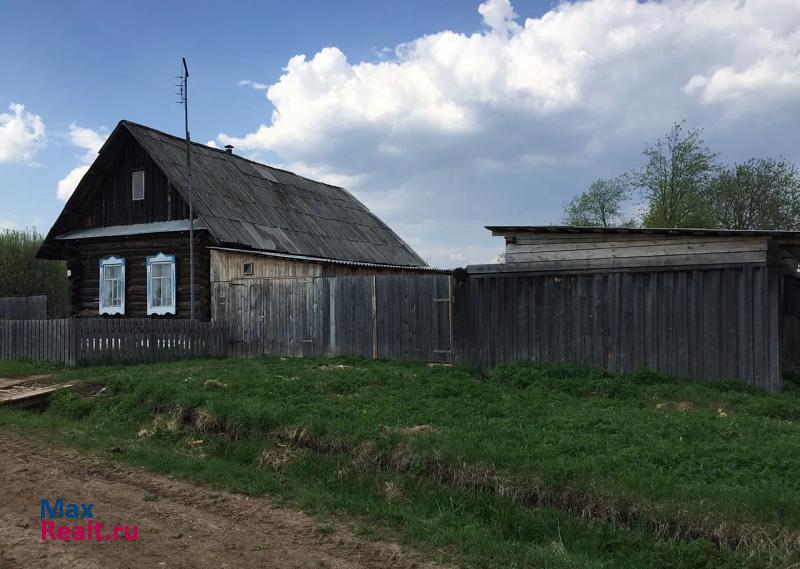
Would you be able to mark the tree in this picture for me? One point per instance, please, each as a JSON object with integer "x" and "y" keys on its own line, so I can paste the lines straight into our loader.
{"x": 675, "y": 180}
{"x": 23, "y": 274}
{"x": 599, "y": 206}
{"x": 758, "y": 194}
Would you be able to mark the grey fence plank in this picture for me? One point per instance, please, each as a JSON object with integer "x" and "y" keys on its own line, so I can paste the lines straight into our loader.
{"x": 386, "y": 316}
{"x": 698, "y": 323}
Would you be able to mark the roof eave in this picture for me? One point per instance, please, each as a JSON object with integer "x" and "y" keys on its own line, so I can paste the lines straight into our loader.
{"x": 500, "y": 230}
{"x": 325, "y": 260}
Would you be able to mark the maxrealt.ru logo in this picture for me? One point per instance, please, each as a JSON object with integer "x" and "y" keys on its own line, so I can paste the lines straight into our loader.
{"x": 87, "y": 530}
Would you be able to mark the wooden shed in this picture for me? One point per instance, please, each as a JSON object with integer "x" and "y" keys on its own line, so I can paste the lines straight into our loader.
{"x": 125, "y": 230}
{"x": 707, "y": 304}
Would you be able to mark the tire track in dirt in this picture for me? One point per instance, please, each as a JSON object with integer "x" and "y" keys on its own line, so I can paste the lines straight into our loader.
{"x": 181, "y": 525}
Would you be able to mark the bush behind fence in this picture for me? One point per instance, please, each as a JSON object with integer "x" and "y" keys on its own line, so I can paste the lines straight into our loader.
{"x": 23, "y": 307}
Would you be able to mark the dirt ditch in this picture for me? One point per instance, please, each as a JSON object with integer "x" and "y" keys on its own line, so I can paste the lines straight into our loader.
{"x": 533, "y": 492}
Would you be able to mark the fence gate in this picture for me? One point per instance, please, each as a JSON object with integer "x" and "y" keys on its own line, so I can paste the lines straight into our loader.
{"x": 387, "y": 317}
{"x": 413, "y": 317}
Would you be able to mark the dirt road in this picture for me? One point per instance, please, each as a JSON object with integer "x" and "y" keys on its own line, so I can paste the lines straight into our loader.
{"x": 179, "y": 524}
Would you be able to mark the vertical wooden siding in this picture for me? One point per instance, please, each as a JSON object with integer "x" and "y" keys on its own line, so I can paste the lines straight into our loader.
{"x": 23, "y": 307}
{"x": 791, "y": 323}
{"x": 111, "y": 201}
{"x": 398, "y": 317}
{"x": 39, "y": 340}
{"x": 704, "y": 324}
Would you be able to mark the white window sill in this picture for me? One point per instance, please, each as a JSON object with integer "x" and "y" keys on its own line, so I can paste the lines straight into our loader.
{"x": 111, "y": 311}
{"x": 160, "y": 311}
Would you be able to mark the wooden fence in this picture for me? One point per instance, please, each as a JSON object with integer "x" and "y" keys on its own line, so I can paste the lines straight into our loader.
{"x": 23, "y": 307}
{"x": 703, "y": 324}
{"x": 71, "y": 341}
{"x": 393, "y": 316}
{"x": 39, "y": 340}
{"x": 706, "y": 323}
{"x": 791, "y": 323}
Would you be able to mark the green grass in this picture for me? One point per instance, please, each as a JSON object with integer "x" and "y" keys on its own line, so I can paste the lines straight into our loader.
{"x": 17, "y": 368}
{"x": 643, "y": 451}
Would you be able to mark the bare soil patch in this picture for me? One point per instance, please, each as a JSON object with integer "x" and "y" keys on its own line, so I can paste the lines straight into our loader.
{"x": 181, "y": 525}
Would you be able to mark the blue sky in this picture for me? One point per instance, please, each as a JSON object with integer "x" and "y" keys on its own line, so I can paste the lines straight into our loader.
{"x": 500, "y": 121}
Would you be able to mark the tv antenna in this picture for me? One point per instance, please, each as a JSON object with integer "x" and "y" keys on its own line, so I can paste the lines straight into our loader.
{"x": 183, "y": 93}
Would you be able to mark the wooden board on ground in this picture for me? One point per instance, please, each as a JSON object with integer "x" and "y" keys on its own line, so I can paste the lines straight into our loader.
{"x": 23, "y": 396}
{"x": 6, "y": 382}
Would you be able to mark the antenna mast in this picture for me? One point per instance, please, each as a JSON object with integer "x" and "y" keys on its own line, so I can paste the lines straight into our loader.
{"x": 184, "y": 93}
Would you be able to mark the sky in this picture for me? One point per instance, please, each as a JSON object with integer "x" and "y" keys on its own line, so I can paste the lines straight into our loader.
{"x": 442, "y": 116}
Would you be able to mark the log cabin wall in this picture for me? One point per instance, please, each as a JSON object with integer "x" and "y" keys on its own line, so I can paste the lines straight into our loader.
{"x": 112, "y": 204}
{"x": 84, "y": 279}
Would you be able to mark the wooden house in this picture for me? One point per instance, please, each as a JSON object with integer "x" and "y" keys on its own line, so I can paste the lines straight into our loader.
{"x": 124, "y": 232}
{"x": 706, "y": 304}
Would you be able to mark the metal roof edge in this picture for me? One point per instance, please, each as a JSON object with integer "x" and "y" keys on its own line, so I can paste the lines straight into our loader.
{"x": 501, "y": 229}
{"x": 132, "y": 229}
{"x": 308, "y": 259}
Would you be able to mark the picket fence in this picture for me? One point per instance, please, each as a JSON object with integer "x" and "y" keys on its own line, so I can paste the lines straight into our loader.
{"x": 71, "y": 341}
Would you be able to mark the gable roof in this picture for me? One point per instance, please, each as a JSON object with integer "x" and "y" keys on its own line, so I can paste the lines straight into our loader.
{"x": 247, "y": 204}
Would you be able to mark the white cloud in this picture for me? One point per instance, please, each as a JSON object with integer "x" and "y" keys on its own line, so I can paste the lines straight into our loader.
{"x": 253, "y": 85}
{"x": 22, "y": 134}
{"x": 505, "y": 124}
{"x": 499, "y": 15}
{"x": 90, "y": 141}
{"x": 68, "y": 183}
{"x": 448, "y": 256}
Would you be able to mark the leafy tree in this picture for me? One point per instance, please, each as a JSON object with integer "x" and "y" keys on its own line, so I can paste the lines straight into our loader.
{"x": 22, "y": 274}
{"x": 675, "y": 180}
{"x": 599, "y": 206}
{"x": 758, "y": 194}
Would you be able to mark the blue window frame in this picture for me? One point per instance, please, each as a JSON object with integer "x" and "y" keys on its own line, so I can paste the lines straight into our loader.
{"x": 112, "y": 285}
{"x": 160, "y": 284}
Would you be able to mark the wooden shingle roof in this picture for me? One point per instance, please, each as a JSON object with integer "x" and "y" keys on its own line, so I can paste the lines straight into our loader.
{"x": 248, "y": 204}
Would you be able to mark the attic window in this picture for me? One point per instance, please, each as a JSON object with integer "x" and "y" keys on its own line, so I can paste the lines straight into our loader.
{"x": 137, "y": 185}
{"x": 248, "y": 269}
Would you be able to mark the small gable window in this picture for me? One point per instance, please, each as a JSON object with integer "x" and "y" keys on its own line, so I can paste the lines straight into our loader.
{"x": 112, "y": 285}
{"x": 248, "y": 269}
{"x": 137, "y": 185}
{"x": 161, "y": 284}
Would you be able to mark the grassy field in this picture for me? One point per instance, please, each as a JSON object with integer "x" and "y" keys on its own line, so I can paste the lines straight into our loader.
{"x": 556, "y": 466}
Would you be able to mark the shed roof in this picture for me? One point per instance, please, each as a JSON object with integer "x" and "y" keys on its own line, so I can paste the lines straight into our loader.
{"x": 505, "y": 229}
